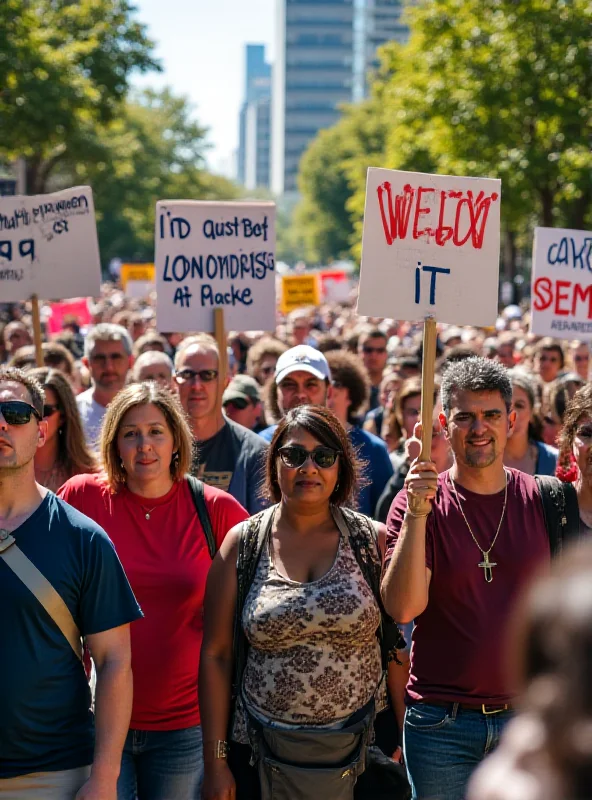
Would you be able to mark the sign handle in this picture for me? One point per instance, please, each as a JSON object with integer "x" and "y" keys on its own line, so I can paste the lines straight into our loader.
{"x": 220, "y": 336}
{"x": 427, "y": 387}
{"x": 37, "y": 331}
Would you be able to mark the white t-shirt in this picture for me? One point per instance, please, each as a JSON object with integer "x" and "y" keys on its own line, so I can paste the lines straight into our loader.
{"x": 91, "y": 415}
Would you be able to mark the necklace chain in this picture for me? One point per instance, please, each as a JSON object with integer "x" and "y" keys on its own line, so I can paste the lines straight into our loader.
{"x": 486, "y": 564}
{"x": 147, "y": 511}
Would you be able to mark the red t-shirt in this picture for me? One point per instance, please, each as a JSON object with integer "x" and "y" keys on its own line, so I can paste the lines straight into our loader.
{"x": 458, "y": 652}
{"x": 167, "y": 561}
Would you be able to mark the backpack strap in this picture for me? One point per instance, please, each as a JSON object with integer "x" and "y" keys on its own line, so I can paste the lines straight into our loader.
{"x": 196, "y": 488}
{"x": 252, "y": 540}
{"x": 560, "y": 510}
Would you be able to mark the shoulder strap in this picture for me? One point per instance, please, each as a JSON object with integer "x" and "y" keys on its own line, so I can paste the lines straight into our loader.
{"x": 196, "y": 488}
{"x": 560, "y": 509}
{"x": 38, "y": 585}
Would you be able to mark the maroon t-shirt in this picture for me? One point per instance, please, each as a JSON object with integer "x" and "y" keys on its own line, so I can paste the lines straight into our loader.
{"x": 458, "y": 652}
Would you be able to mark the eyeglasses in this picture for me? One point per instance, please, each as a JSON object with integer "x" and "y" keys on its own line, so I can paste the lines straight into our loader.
{"x": 267, "y": 370}
{"x": 551, "y": 359}
{"x": 584, "y": 432}
{"x": 17, "y": 412}
{"x": 369, "y": 350}
{"x": 189, "y": 375}
{"x": 50, "y": 410}
{"x": 102, "y": 358}
{"x": 239, "y": 403}
{"x": 581, "y": 358}
{"x": 295, "y": 456}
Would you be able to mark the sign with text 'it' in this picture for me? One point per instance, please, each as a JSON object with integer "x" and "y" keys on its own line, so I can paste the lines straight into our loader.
{"x": 299, "y": 291}
{"x": 212, "y": 255}
{"x": 48, "y": 246}
{"x": 562, "y": 283}
{"x": 430, "y": 247}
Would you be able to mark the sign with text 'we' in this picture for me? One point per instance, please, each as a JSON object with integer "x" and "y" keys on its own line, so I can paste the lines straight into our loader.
{"x": 430, "y": 247}
{"x": 562, "y": 283}
{"x": 212, "y": 255}
{"x": 48, "y": 246}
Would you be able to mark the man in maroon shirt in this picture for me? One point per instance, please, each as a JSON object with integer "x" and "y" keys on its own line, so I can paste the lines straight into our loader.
{"x": 461, "y": 546}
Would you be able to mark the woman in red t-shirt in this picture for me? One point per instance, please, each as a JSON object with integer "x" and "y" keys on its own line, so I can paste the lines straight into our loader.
{"x": 144, "y": 503}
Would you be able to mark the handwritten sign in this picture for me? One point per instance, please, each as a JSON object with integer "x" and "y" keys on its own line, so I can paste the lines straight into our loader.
{"x": 430, "y": 247}
{"x": 70, "y": 311}
{"x": 299, "y": 291}
{"x": 215, "y": 255}
{"x": 562, "y": 283}
{"x": 136, "y": 272}
{"x": 48, "y": 246}
{"x": 335, "y": 286}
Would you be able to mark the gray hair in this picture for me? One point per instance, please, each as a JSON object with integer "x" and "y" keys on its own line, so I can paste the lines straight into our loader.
{"x": 522, "y": 380}
{"x": 107, "y": 332}
{"x": 149, "y": 358}
{"x": 475, "y": 374}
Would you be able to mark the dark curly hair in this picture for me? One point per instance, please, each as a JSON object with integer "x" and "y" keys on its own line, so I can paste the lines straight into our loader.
{"x": 348, "y": 371}
{"x": 580, "y": 405}
{"x": 475, "y": 375}
{"x": 321, "y": 423}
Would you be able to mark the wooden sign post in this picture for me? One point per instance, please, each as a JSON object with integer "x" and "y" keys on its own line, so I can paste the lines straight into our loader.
{"x": 430, "y": 335}
{"x": 37, "y": 337}
{"x": 220, "y": 336}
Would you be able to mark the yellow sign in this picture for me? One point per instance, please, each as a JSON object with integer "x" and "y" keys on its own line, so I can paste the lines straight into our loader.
{"x": 137, "y": 272}
{"x": 299, "y": 291}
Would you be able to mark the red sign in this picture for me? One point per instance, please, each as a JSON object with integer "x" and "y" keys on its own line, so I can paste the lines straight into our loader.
{"x": 67, "y": 312}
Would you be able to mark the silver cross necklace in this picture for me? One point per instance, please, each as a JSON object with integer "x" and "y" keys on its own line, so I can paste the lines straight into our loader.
{"x": 486, "y": 565}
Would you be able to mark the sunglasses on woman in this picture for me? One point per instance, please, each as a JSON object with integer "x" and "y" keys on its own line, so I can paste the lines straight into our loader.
{"x": 294, "y": 456}
{"x": 50, "y": 410}
{"x": 17, "y": 412}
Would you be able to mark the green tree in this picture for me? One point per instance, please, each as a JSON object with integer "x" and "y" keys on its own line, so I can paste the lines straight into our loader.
{"x": 65, "y": 67}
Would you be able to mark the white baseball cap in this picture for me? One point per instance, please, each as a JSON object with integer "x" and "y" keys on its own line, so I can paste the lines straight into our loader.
{"x": 302, "y": 358}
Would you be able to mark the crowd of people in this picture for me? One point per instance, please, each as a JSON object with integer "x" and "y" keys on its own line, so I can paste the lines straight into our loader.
{"x": 230, "y": 574}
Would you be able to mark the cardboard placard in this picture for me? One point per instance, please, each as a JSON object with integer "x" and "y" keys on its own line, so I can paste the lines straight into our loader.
{"x": 215, "y": 255}
{"x": 136, "y": 272}
{"x": 299, "y": 291}
{"x": 562, "y": 283}
{"x": 48, "y": 246}
{"x": 335, "y": 286}
{"x": 430, "y": 247}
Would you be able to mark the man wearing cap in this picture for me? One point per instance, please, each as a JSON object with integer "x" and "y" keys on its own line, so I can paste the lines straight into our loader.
{"x": 302, "y": 376}
{"x": 241, "y": 402}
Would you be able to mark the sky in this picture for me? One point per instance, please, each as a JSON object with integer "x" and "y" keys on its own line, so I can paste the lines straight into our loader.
{"x": 201, "y": 45}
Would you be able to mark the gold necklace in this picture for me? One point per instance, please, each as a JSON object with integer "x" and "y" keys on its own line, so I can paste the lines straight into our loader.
{"x": 486, "y": 565}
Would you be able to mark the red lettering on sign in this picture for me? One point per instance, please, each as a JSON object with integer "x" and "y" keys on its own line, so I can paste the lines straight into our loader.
{"x": 395, "y": 227}
{"x": 581, "y": 293}
{"x": 443, "y": 232}
{"x": 559, "y": 296}
{"x": 563, "y": 296}
{"x": 543, "y": 291}
{"x": 418, "y": 212}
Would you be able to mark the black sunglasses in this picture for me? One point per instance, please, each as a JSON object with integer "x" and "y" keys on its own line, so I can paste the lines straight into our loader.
{"x": 239, "y": 403}
{"x": 294, "y": 456}
{"x": 17, "y": 412}
{"x": 49, "y": 410}
{"x": 188, "y": 375}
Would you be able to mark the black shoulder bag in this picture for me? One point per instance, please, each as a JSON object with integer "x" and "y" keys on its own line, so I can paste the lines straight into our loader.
{"x": 561, "y": 511}
{"x": 196, "y": 488}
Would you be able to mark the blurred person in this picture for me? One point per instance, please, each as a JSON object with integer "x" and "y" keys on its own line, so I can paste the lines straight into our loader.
{"x": 145, "y": 502}
{"x": 64, "y": 452}
{"x": 489, "y": 348}
{"x": 52, "y": 746}
{"x": 225, "y": 455}
{"x": 525, "y": 450}
{"x": 461, "y": 546}
{"x": 556, "y": 396}
{"x": 408, "y": 364}
{"x": 153, "y": 365}
{"x": 451, "y": 337}
{"x": 299, "y": 328}
{"x": 506, "y": 353}
{"x": 391, "y": 432}
{"x": 24, "y": 358}
{"x": 327, "y": 343}
{"x": 302, "y": 377}
{"x": 351, "y": 388}
{"x": 108, "y": 356}
{"x": 241, "y": 402}
{"x": 389, "y": 386}
{"x": 16, "y": 335}
{"x": 306, "y": 576}
{"x": 575, "y": 453}
{"x": 549, "y": 359}
{"x": 262, "y": 358}
{"x": 458, "y": 353}
{"x": 239, "y": 346}
{"x": 151, "y": 341}
{"x": 373, "y": 352}
{"x": 74, "y": 344}
{"x": 136, "y": 326}
{"x": 579, "y": 353}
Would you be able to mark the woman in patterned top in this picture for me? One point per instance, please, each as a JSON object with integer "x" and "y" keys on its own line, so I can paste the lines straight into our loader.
{"x": 310, "y": 618}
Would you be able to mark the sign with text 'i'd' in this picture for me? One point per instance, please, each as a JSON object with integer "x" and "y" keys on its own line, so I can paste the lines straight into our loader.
{"x": 48, "y": 246}
{"x": 215, "y": 255}
{"x": 562, "y": 283}
{"x": 430, "y": 247}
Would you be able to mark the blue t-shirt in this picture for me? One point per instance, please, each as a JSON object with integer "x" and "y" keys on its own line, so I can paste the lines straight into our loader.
{"x": 45, "y": 719}
{"x": 378, "y": 468}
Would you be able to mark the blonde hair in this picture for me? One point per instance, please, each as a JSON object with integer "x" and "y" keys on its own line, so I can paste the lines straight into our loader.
{"x": 141, "y": 394}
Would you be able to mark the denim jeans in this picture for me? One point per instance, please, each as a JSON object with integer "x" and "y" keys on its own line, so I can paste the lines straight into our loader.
{"x": 161, "y": 765}
{"x": 443, "y": 744}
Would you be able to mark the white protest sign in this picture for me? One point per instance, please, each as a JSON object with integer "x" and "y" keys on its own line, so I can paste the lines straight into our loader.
{"x": 48, "y": 246}
{"x": 215, "y": 255}
{"x": 430, "y": 247}
{"x": 562, "y": 283}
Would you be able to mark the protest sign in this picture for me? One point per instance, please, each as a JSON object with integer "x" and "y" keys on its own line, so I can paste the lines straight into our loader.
{"x": 299, "y": 291}
{"x": 76, "y": 311}
{"x": 138, "y": 273}
{"x": 335, "y": 286}
{"x": 215, "y": 255}
{"x": 430, "y": 247}
{"x": 562, "y": 283}
{"x": 48, "y": 246}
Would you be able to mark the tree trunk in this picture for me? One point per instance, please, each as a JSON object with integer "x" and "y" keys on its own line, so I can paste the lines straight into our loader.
{"x": 546, "y": 197}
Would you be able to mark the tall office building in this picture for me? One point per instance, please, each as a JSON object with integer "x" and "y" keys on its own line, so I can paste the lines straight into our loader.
{"x": 375, "y": 23}
{"x": 254, "y": 120}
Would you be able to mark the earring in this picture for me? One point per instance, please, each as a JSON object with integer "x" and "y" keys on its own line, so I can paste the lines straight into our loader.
{"x": 175, "y": 460}
{"x": 60, "y": 431}
{"x": 121, "y": 464}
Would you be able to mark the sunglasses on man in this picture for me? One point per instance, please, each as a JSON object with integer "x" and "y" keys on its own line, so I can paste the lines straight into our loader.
{"x": 17, "y": 412}
{"x": 189, "y": 375}
{"x": 239, "y": 403}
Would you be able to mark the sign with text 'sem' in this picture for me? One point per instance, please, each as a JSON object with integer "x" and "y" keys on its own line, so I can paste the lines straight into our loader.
{"x": 430, "y": 247}
{"x": 212, "y": 255}
{"x": 562, "y": 283}
{"x": 48, "y": 246}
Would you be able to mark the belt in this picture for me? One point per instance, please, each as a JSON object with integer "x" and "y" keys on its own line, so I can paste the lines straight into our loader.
{"x": 484, "y": 708}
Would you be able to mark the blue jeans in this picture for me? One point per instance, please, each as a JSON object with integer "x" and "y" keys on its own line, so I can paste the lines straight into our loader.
{"x": 444, "y": 744}
{"x": 161, "y": 765}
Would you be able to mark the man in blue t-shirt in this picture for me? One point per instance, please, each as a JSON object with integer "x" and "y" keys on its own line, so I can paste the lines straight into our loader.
{"x": 50, "y": 745}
